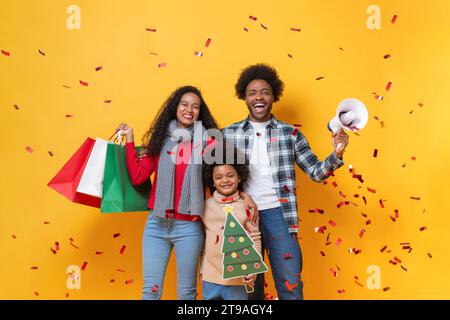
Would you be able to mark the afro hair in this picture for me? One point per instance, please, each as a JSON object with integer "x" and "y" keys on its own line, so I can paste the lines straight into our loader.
{"x": 263, "y": 72}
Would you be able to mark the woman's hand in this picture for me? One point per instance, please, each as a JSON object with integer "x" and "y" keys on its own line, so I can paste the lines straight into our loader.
{"x": 127, "y": 131}
{"x": 250, "y": 205}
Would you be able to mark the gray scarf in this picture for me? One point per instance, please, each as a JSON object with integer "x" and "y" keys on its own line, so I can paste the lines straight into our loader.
{"x": 192, "y": 193}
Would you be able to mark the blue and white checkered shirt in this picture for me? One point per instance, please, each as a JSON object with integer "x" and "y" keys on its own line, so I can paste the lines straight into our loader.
{"x": 286, "y": 145}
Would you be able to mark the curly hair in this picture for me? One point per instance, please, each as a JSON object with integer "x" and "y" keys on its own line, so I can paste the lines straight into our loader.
{"x": 240, "y": 166}
{"x": 153, "y": 139}
{"x": 263, "y": 72}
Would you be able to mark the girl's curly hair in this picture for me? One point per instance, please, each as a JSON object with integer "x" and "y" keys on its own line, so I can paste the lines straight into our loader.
{"x": 153, "y": 139}
{"x": 239, "y": 162}
{"x": 263, "y": 72}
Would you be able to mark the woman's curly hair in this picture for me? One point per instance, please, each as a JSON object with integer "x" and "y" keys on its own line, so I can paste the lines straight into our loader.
{"x": 239, "y": 162}
{"x": 263, "y": 72}
{"x": 153, "y": 139}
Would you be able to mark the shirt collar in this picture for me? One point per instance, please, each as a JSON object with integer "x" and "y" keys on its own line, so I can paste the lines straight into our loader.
{"x": 225, "y": 199}
{"x": 273, "y": 124}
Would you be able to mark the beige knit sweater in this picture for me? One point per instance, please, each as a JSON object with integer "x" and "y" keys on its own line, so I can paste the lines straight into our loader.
{"x": 214, "y": 220}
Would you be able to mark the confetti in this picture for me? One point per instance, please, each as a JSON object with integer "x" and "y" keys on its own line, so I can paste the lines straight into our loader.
{"x": 387, "y": 56}
{"x": 322, "y": 253}
{"x": 52, "y": 250}
{"x": 386, "y": 289}
{"x": 29, "y": 149}
{"x": 368, "y": 222}
{"x": 371, "y": 190}
{"x": 6, "y": 53}
{"x": 112, "y": 280}
{"x": 429, "y": 255}
{"x": 67, "y": 295}
{"x": 283, "y": 200}
{"x": 122, "y": 250}
{"x": 341, "y": 291}
{"x": 74, "y": 246}
{"x": 16, "y": 107}
{"x": 153, "y": 53}
{"x": 333, "y": 272}
{"x": 41, "y": 52}
{"x": 295, "y": 131}
{"x": 394, "y": 18}
{"x": 99, "y": 68}
{"x": 396, "y": 213}
{"x": 263, "y": 26}
{"x": 334, "y": 184}
{"x": 414, "y": 198}
{"x": 34, "y": 268}
{"x": 290, "y": 286}
{"x": 155, "y": 288}
{"x": 332, "y": 223}
{"x": 361, "y": 233}
{"x": 149, "y": 29}
{"x": 46, "y": 222}
{"x": 36, "y": 293}
{"x": 161, "y": 65}
{"x": 208, "y": 42}
{"x": 120, "y": 270}
{"x": 423, "y": 228}
{"x": 296, "y": 29}
{"x": 375, "y": 153}
{"x": 382, "y": 249}
{"x": 388, "y": 86}
{"x": 338, "y": 242}
{"x": 378, "y": 97}
{"x": 290, "y": 56}
{"x": 64, "y": 86}
{"x": 253, "y": 18}
{"x": 413, "y": 158}
{"x": 341, "y": 194}
{"x": 50, "y": 153}
{"x": 381, "y": 203}
{"x": 320, "y": 229}
{"x": 321, "y": 211}
{"x": 246, "y": 29}
{"x": 57, "y": 246}
{"x": 420, "y": 104}
{"x": 84, "y": 83}
{"x": 340, "y": 204}
{"x": 365, "y": 201}
{"x": 115, "y": 235}
{"x": 98, "y": 252}
{"x": 287, "y": 255}
{"x": 319, "y": 78}
{"x": 83, "y": 267}
{"x": 129, "y": 281}
{"x": 69, "y": 116}
{"x": 198, "y": 53}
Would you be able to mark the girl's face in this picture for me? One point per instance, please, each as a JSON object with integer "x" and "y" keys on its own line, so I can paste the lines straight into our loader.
{"x": 188, "y": 110}
{"x": 226, "y": 179}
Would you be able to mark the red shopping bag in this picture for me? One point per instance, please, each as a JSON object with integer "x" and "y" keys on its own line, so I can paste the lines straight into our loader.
{"x": 67, "y": 179}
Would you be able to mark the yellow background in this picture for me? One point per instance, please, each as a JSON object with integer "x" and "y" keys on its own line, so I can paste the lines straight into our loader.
{"x": 113, "y": 35}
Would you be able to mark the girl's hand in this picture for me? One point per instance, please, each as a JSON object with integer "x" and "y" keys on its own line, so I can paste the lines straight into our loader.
{"x": 249, "y": 280}
{"x": 127, "y": 131}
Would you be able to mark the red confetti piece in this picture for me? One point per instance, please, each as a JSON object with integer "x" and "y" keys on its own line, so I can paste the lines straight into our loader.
{"x": 341, "y": 194}
{"x": 429, "y": 255}
{"x": 359, "y": 177}
{"x": 263, "y": 26}
{"x": 253, "y": 18}
{"x": 361, "y": 233}
{"x": 246, "y": 29}
{"x": 365, "y": 201}
{"x": 84, "y": 83}
{"x": 74, "y": 246}
{"x": 98, "y": 252}
{"x": 69, "y": 116}
{"x": 393, "y": 262}
{"x": 268, "y": 296}
{"x": 83, "y": 267}
{"x": 67, "y": 295}
{"x": 217, "y": 239}
{"x": 340, "y": 204}
{"x": 338, "y": 242}
{"x": 414, "y": 198}
{"x": 333, "y": 272}
{"x": 46, "y": 222}
{"x": 334, "y": 184}
{"x": 120, "y": 270}
{"x": 129, "y": 281}
{"x": 386, "y": 289}
{"x": 64, "y": 86}
{"x": 423, "y": 228}
{"x": 208, "y": 42}
{"x": 287, "y": 255}
{"x": 388, "y": 86}
{"x": 112, "y": 280}
{"x": 319, "y": 78}
{"x": 396, "y": 213}
{"x": 198, "y": 53}
{"x": 322, "y": 253}
{"x": 320, "y": 229}
{"x": 371, "y": 190}
{"x": 368, "y": 222}
{"x": 29, "y": 149}
{"x": 420, "y": 104}
{"x": 290, "y": 56}
{"x": 155, "y": 288}
{"x": 296, "y": 29}
{"x": 413, "y": 158}
{"x": 6, "y": 53}
{"x": 382, "y": 249}
{"x": 359, "y": 284}
{"x": 332, "y": 223}
{"x": 381, "y": 203}
{"x": 321, "y": 211}
{"x": 394, "y": 18}
{"x": 36, "y": 293}
{"x": 122, "y": 250}
{"x": 34, "y": 268}
{"x": 290, "y": 286}
{"x": 16, "y": 107}
{"x": 375, "y": 153}
{"x": 115, "y": 235}
{"x": 387, "y": 56}
{"x": 247, "y": 212}
{"x": 227, "y": 199}
{"x": 295, "y": 131}
{"x": 398, "y": 260}
{"x": 149, "y": 29}
{"x": 378, "y": 97}
{"x": 161, "y": 65}
{"x": 53, "y": 250}
{"x": 50, "y": 154}
{"x": 57, "y": 246}
{"x": 153, "y": 53}
{"x": 41, "y": 52}
{"x": 284, "y": 200}
{"x": 341, "y": 291}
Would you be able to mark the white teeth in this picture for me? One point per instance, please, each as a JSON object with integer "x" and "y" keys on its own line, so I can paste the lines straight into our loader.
{"x": 258, "y": 105}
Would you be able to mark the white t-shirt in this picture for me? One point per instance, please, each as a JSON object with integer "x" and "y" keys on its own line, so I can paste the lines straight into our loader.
{"x": 260, "y": 184}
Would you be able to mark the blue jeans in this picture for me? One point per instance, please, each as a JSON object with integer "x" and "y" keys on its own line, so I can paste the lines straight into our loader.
{"x": 278, "y": 242}
{"x": 160, "y": 235}
{"x": 213, "y": 291}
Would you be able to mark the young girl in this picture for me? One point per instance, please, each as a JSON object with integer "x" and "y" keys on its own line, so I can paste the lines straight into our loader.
{"x": 176, "y": 200}
{"x": 224, "y": 181}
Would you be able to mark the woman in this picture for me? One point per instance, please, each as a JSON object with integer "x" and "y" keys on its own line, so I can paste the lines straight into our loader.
{"x": 177, "y": 197}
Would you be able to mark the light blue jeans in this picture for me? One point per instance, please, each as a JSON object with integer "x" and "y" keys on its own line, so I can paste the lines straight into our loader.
{"x": 213, "y": 291}
{"x": 160, "y": 236}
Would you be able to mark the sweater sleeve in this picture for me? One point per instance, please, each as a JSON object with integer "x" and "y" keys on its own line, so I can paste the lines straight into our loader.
{"x": 255, "y": 234}
{"x": 139, "y": 170}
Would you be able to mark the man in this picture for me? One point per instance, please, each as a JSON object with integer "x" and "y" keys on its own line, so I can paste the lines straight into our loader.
{"x": 273, "y": 147}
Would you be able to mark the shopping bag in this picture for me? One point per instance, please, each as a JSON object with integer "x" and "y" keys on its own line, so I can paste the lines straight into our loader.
{"x": 119, "y": 195}
{"x": 91, "y": 182}
{"x": 67, "y": 179}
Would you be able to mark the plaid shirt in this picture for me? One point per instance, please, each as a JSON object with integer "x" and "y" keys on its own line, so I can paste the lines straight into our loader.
{"x": 286, "y": 145}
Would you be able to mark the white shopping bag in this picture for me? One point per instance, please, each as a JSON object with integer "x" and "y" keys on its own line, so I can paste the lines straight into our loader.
{"x": 91, "y": 182}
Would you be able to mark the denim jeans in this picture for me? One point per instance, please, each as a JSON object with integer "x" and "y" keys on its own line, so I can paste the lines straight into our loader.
{"x": 213, "y": 291}
{"x": 160, "y": 235}
{"x": 284, "y": 253}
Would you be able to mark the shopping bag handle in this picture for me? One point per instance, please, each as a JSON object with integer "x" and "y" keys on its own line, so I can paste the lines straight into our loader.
{"x": 117, "y": 137}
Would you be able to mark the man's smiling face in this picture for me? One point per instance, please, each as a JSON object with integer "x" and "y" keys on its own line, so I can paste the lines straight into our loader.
{"x": 259, "y": 100}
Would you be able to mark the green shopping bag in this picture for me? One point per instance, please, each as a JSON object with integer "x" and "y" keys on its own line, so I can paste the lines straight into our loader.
{"x": 119, "y": 195}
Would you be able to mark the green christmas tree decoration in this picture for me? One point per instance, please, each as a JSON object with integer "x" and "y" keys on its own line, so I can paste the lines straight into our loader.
{"x": 240, "y": 257}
